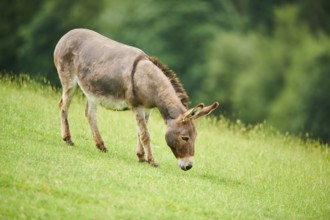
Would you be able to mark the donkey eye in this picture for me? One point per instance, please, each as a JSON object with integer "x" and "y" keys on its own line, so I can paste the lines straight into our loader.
{"x": 185, "y": 138}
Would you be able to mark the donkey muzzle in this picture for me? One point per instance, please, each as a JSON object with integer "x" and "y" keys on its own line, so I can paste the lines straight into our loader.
{"x": 186, "y": 163}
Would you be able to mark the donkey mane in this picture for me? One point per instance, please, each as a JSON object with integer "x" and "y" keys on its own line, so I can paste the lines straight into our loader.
{"x": 177, "y": 85}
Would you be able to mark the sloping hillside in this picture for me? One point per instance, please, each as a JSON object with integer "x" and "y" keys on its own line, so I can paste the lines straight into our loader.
{"x": 239, "y": 172}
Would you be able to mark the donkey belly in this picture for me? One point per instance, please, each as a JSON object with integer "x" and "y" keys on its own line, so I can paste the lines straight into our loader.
{"x": 109, "y": 96}
{"x": 113, "y": 103}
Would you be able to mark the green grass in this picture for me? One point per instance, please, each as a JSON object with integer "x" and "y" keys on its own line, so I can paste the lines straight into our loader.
{"x": 239, "y": 172}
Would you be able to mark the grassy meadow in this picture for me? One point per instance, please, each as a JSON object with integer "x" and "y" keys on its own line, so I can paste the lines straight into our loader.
{"x": 239, "y": 173}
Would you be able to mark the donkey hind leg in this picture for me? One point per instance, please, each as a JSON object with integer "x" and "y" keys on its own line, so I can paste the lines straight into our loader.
{"x": 144, "y": 137}
{"x": 68, "y": 91}
{"x": 140, "y": 151}
{"x": 91, "y": 109}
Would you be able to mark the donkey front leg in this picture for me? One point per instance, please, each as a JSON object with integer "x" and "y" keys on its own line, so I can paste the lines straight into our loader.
{"x": 143, "y": 136}
{"x": 140, "y": 151}
{"x": 91, "y": 109}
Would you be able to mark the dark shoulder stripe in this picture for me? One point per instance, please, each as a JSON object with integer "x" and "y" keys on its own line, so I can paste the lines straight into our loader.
{"x": 135, "y": 63}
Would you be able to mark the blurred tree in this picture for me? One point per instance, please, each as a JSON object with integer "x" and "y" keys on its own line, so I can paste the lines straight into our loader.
{"x": 278, "y": 77}
{"x": 43, "y": 32}
{"x": 303, "y": 106}
{"x": 175, "y": 31}
{"x": 230, "y": 55}
{"x": 256, "y": 14}
{"x": 260, "y": 15}
{"x": 261, "y": 59}
{"x": 14, "y": 14}
{"x": 316, "y": 14}
{"x": 317, "y": 96}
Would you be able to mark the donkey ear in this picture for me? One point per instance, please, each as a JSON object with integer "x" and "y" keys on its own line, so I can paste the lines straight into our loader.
{"x": 207, "y": 110}
{"x": 192, "y": 113}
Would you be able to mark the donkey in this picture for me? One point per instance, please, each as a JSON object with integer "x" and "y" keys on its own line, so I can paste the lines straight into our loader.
{"x": 122, "y": 77}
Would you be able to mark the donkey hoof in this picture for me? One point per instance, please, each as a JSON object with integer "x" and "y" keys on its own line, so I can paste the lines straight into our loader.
{"x": 142, "y": 160}
{"x": 102, "y": 148}
{"x": 154, "y": 164}
{"x": 68, "y": 141}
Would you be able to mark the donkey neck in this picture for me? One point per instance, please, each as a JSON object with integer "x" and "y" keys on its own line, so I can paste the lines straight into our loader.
{"x": 155, "y": 90}
{"x": 170, "y": 110}
{"x": 168, "y": 103}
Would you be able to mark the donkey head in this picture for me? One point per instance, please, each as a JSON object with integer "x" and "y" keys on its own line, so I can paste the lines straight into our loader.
{"x": 181, "y": 134}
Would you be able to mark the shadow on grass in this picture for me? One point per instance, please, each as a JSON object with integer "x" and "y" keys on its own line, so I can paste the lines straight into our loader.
{"x": 219, "y": 180}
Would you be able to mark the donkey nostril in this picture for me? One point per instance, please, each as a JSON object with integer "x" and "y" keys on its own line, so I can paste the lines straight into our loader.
{"x": 186, "y": 164}
{"x": 188, "y": 167}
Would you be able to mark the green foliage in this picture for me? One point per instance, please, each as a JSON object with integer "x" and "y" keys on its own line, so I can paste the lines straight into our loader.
{"x": 282, "y": 78}
{"x": 240, "y": 172}
{"x": 14, "y": 14}
{"x": 302, "y": 105}
{"x": 43, "y": 32}
{"x": 175, "y": 31}
{"x": 250, "y": 55}
{"x": 316, "y": 14}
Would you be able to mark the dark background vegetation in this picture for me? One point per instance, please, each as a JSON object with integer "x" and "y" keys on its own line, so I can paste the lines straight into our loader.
{"x": 263, "y": 60}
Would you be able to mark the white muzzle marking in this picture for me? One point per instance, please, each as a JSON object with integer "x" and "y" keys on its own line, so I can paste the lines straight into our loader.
{"x": 186, "y": 163}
